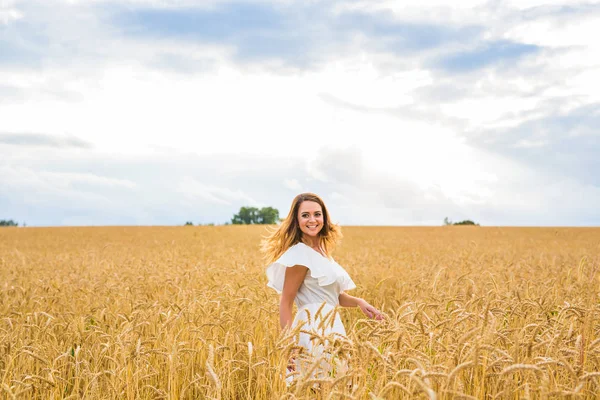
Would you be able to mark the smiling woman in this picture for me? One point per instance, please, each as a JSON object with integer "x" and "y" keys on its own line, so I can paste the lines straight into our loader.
{"x": 302, "y": 270}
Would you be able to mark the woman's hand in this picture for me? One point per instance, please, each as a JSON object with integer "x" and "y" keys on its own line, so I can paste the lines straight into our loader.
{"x": 369, "y": 310}
{"x": 291, "y": 367}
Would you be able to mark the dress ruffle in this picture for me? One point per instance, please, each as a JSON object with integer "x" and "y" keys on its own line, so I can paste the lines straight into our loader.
{"x": 326, "y": 271}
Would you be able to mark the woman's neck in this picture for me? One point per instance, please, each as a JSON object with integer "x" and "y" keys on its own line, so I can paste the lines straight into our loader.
{"x": 313, "y": 242}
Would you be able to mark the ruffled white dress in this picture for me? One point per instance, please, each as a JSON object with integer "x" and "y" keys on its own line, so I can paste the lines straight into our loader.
{"x": 316, "y": 299}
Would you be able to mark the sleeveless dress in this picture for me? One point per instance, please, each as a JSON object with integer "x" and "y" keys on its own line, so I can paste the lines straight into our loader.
{"x": 316, "y": 299}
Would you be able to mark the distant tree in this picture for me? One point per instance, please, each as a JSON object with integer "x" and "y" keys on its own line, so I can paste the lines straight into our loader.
{"x": 252, "y": 215}
{"x": 268, "y": 215}
{"x": 466, "y": 222}
{"x": 8, "y": 222}
{"x": 246, "y": 216}
{"x": 189, "y": 223}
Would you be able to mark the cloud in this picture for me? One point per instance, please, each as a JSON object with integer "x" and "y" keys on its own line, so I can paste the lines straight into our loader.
{"x": 525, "y": 143}
{"x": 188, "y": 62}
{"x": 255, "y": 30}
{"x": 341, "y": 165}
{"x": 298, "y": 34}
{"x": 41, "y": 197}
{"x": 485, "y": 55}
{"x": 495, "y": 189}
{"x": 358, "y": 189}
{"x": 17, "y": 54}
{"x": 167, "y": 187}
{"x": 564, "y": 144}
{"x": 42, "y": 139}
{"x": 75, "y": 178}
{"x": 171, "y": 187}
{"x": 8, "y": 12}
{"x": 59, "y": 184}
{"x": 391, "y": 33}
{"x": 292, "y": 184}
{"x": 544, "y": 24}
{"x": 10, "y": 94}
{"x": 194, "y": 189}
{"x": 397, "y": 113}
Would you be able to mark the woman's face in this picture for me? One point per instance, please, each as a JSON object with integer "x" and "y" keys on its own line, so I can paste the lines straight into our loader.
{"x": 310, "y": 218}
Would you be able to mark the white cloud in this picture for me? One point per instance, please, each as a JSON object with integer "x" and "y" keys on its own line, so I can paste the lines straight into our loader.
{"x": 340, "y": 164}
{"x": 525, "y": 143}
{"x": 46, "y": 190}
{"x": 368, "y": 88}
{"x": 158, "y": 191}
{"x": 9, "y": 12}
{"x": 26, "y": 177}
{"x": 373, "y": 128}
{"x": 292, "y": 184}
{"x": 415, "y": 10}
{"x": 69, "y": 178}
{"x": 165, "y": 4}
{"x": 340, "y": 198}
{"x": 527, "y": 4}
{"x": 193, "y": 189}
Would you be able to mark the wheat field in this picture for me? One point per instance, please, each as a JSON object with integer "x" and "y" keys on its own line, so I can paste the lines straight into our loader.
{"x": 184, "y": 313}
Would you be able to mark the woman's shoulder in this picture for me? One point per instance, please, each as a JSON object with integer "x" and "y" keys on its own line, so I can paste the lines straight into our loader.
{"x": 295, "y": 250}
{"x": 302, "y": 248}
{"x": 325, "y": 270}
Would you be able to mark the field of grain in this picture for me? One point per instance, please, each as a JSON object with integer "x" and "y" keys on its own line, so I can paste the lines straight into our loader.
{"x": 183, "y": 312}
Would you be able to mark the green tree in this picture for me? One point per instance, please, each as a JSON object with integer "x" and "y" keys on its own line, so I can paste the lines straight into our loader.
{"x": 253, "y": 215}
{"x": 8, "y": 222}
{"x": 189, "y": 223}
{"x": 246, "y": 216}
{"x": 466, "y": 222}
{"x": 268, "y": 215}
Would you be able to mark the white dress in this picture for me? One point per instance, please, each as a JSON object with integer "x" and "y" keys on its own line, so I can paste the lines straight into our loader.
{"x": 316, "y": 299}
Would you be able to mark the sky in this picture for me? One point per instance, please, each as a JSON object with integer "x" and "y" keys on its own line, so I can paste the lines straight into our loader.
{"x": 158, "y": 112}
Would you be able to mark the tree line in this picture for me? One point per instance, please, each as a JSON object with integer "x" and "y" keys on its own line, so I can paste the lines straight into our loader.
{"x": 8, "y": 222}
{"x": 270, "y": 215}
{"x": 465, "y": 222}
{"x": 250, "y": 216}
{"x": 253, "y": 215}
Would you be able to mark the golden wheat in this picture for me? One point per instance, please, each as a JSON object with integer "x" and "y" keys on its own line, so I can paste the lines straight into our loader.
{"x": 184, "y": 312}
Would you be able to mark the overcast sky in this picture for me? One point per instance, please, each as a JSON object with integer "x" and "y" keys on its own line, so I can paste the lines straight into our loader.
{"x": 157, "y": 112}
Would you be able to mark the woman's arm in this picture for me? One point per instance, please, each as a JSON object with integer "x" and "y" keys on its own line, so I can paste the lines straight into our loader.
{"x": 294, "y": 276}
{"x": 350, "y": 301}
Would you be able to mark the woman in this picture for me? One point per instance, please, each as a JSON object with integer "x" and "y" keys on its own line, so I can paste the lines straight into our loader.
{"x": 302, "y": 270}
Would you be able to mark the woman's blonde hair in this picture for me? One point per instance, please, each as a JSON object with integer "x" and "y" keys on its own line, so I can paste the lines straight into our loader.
{"x": 288, "y": 233}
